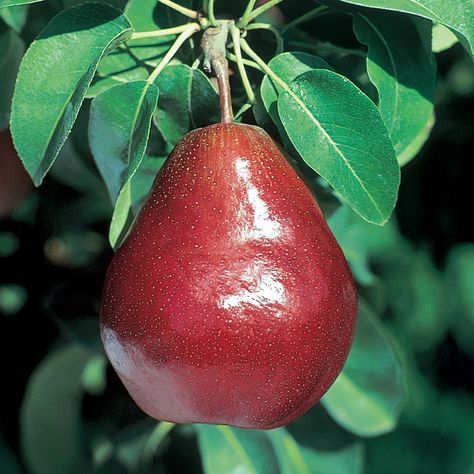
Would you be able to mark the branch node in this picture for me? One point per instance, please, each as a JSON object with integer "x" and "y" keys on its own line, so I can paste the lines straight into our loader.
{"x": 214, "y": 46}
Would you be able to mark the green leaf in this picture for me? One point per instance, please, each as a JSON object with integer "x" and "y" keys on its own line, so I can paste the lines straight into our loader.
{"x": 289, "y": 453}
{"x": 346, "y": 460}
{"x": 455, "y": 14}
{"x": 287, "y": 66}
{"x": 187, "y": 101}
{"x": 440, "y": 439}
{"x": 116, "y": 68}
{"x": 150, "y": 15}
{"x": 71, "y": 170}
{"x": 93, "y": 377}
{"x": 261, "y": 115}
{"x": 59, "y": 67}
{"x": 157, "y": 437}
{"x": 361, "y": 241}
{"x": 401, "y": 66}
{"x": 225, "y": 449}
{"x": 412, "y": 149}
{"x": 417, "y": 300}
{"x": 74, "y": 3}
{"x": 456, "y": 417}
{"x": 9, "y": 244}
{"x": 13, "y": 48}
{"x": 12, "y": 298}
{"x": 460, "y": 275}
{"x": 460, "y": 288}
{"x": 13, "y": 3}
{"x": 9, "y": 464}
{"x": 443, "y": 38}
{"x": 15, "y": 17}
{"x": 295, "y": 458}
{"x": 50, "y": 418}
{"x": 129, "y": 451}
{"x": 123, "y": 114}
{"x": 119, "y": 126}
{"x": 132, "y": 197}
{"x": 339, "y": 133}
{"x": 368, "y": 395}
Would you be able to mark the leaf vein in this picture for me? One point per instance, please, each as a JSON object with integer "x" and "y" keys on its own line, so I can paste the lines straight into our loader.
{"x": 339, "y": 152}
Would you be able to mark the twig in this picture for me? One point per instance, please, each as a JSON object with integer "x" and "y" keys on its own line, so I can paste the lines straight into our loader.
{"x": 213, "y": 45}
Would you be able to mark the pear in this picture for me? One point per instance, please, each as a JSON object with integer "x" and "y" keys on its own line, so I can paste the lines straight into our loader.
{"x": 230, "y": 301}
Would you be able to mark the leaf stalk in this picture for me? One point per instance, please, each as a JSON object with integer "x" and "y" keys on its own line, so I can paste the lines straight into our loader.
{"x": 247, "y": 62}
{"x": 211, "y": 14}
{"x": 257, "y": 12}
{"x": 179, "y": 8}
{"x": 156, "y": 33}
{"x": 262, "y": 65}
{"x": 235, "y": 34}
{"x": 190, "y": 30}
{"x": 244, "y": 20}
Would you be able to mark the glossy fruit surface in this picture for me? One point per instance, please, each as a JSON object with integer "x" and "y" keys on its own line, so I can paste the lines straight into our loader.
{"x": 230, "y": 302}
{"x": 15, "y": 184}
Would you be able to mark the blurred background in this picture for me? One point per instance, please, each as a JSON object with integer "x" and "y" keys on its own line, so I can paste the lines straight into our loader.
{"x": 63, "y": 409}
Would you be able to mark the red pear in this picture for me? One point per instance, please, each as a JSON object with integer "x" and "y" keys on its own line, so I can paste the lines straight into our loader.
{"x": 15, "y": 183}
{"x": 230, "y": 302}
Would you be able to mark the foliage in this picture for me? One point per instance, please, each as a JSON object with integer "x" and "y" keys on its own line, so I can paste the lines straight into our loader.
{"x": 348, "y": 87}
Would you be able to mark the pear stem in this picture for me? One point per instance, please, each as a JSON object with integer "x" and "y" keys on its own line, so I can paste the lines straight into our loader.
{"x": 213, "y": 44}
{"x": 221, "y": 70}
